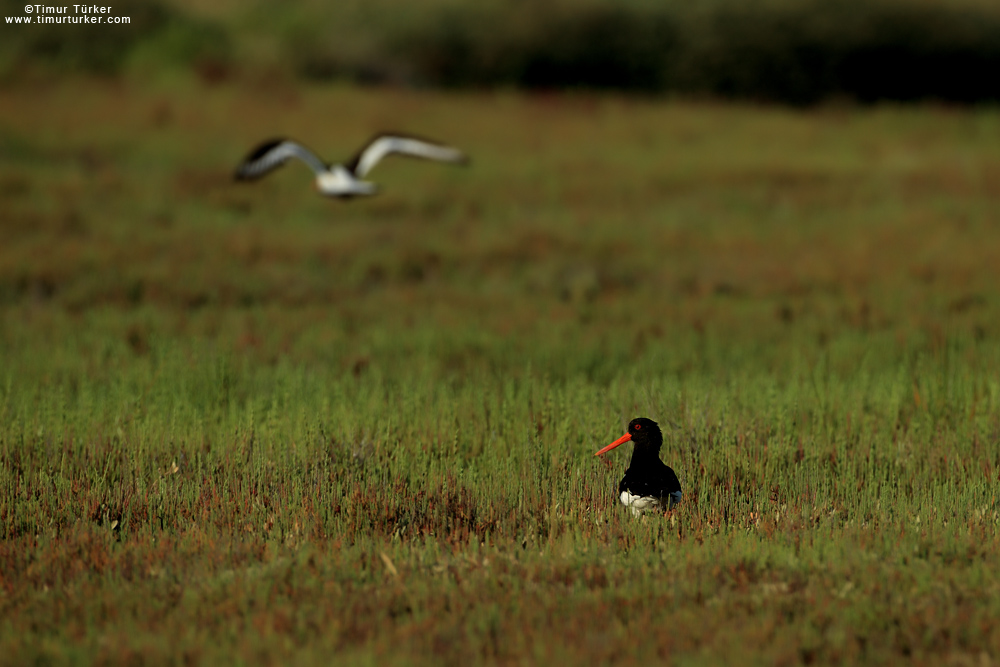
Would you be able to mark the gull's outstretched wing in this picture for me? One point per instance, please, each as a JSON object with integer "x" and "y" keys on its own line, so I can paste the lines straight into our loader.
{"x": 386, "y": 144}
{"x": 274, "y": 153}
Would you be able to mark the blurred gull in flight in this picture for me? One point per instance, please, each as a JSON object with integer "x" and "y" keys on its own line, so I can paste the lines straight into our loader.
{"x": 343, "y": 180}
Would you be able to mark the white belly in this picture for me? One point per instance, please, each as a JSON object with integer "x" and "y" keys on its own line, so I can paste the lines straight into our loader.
{"x": 339, "y": 182}
{"x": 640, "y": 504}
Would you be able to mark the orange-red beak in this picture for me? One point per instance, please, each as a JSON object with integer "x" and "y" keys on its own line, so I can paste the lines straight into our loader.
{"x": 623, "y": 439}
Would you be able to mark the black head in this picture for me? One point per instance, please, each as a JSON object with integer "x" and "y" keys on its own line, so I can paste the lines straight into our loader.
{"x": 645, "y": 434}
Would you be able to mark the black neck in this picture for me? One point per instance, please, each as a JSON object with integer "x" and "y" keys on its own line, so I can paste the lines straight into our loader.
{"x": 644, "y": 452}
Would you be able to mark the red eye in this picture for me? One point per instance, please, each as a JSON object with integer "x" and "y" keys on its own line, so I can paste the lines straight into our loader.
{"x": 638, "y": 426}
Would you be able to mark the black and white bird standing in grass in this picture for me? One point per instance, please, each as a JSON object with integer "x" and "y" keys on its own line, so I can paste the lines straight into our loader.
{"x": 648, "y": 484}
{"x": 344, "y": 180}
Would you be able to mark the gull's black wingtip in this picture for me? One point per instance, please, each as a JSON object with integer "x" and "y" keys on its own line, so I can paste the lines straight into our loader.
{"x": 242, "y": 172}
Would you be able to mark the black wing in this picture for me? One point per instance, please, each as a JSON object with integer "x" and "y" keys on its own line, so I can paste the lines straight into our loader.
{"x": 272, "y": 154}
{"x": 654, "y": 484}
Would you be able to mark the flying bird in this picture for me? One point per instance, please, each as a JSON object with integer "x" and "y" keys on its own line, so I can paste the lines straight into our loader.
{"x": 343, "y": 180}
{"x": 648, "y": 484}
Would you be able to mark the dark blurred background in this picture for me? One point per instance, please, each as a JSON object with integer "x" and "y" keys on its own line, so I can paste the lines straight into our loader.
{"x": 798, "y": 52}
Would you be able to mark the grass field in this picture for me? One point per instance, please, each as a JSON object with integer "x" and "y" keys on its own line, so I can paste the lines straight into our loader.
{"x": 246, "y": 424}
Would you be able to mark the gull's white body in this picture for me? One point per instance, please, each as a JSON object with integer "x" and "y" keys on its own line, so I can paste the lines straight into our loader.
{"x": 343, "y": 180}
{"x": 337, "y": 181}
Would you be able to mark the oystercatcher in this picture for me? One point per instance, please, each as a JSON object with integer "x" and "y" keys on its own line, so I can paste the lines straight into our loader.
{"x": 343, "y": 180}
{"x": 648, "y": 484}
